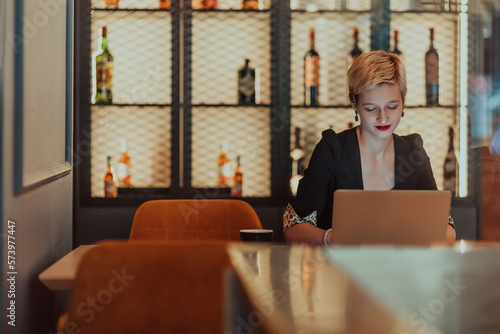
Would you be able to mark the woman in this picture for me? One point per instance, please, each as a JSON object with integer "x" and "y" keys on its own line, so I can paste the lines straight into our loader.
{"x": 369, "y": 156}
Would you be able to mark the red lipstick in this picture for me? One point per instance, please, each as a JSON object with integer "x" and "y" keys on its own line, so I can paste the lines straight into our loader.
{"x": 383, "y": 127}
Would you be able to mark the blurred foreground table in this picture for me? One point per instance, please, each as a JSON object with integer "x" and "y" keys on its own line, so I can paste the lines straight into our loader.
{"x": 61, "y": 274}
{"x": 301, "y": 289}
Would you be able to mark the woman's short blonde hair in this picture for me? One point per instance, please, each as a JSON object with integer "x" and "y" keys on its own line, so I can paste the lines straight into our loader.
{"x": 373, "y": 68}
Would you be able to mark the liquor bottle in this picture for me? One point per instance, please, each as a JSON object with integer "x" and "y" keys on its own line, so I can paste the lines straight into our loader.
{"x": 432, "y": 73}
{"x": 356, "y": 51}
{"x": 237, "y": 189}
{"x": 223, "y": 171}
{"x": 165, "y": 4}
{"x": 450, "y": 165}
{"x": 250, "y": 4}
{"x": 124, "y": 167}
{"x": 102, "y": 71}
{"x": 197, "y": 4}
{"x": 297, "y": 171}
{"x": 246, "y": 84}
{"x": 111, "y": 3}
{"x": 311, "y": 73}
{"x": 209, "y": 4}
{"x": 396, "y": 50}
{"x": 109, "y": 181}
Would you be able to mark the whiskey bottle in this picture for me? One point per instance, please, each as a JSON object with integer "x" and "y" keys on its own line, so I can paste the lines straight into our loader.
{"x": 165, "y": 4}
{"x": 124, "y": 167}
{"x": 111, "y": 3}
{"x": 109, "y": 181}
{"x": 355, "y": 51}
{"x": 250, "y": 4}
{"x": 197, "y": 4}
{"x": 237, "y": 189}
{"x": 396, "y": 50}
{"x": 209, "y": 4}
{"x": 450, "y": 165}
{"x": 432, "y": 73}
{"x": 246, "y": 84}
{"x": 311, "y": 73}
{"x": 102, "y": 71}
{"x": 223, "y": 171}
{"x": 297, "y": 171}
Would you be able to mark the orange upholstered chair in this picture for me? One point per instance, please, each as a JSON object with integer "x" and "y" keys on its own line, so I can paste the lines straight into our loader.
{"x": 216, "y": 219}
{"x": 136, "y": 288}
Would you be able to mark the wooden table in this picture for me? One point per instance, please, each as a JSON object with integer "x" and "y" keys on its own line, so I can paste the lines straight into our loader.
{"x": 61, "y": 274}
{"x": 301, "y": 289}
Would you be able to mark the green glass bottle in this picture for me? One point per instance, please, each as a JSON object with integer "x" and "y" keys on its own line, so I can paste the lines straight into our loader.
{"x": 102, "y": 71}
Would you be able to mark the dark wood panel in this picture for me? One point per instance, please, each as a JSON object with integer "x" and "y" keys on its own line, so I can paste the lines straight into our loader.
{"x": 491, "y": 196}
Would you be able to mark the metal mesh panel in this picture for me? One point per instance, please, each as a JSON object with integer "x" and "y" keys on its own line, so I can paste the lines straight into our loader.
{"x": 333, "y": 43}
{"x": 431, "y": 123}
{"x": 414, "y": 43}
{"x": 427, "y": 5}
{"x": 220, "y": 43}
{"x": 147, "y": 131}
{"x": 358, "y": 4}
{"x": 140, "y": 42}
{"x": 247, "y": 132}
{"x": 234, "y": 4}
{"x": 152, "y": 4}
{"x": 314, "y": 5}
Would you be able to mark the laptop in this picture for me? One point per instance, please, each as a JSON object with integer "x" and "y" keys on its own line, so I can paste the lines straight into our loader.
{"x": 393, "y": 217}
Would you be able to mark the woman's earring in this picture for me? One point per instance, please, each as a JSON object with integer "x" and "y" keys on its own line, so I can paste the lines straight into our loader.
{"x": 403, "y": 113}
{"x": 356, "y": 118}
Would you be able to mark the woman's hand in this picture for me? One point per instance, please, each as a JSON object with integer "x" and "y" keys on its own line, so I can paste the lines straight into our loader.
{"x": 307, "y": 234}
{"x": 451, "y": 235}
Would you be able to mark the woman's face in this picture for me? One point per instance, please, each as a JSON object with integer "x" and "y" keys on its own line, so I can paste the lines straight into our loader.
{"x": 380, "y": 109}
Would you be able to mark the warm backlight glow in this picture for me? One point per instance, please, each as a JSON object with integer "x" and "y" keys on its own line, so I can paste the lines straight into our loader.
{"x": 463, "y": 157}
{"x": 461, "y": 246}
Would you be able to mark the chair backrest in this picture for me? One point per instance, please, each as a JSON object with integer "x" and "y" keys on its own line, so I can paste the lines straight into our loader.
{"x": 216, "y": 219}
{"x": 149, "y": 288}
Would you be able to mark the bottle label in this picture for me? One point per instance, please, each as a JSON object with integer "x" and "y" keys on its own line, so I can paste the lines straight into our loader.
{"x": 197, "y": 4}
{"x": 123, "y": 170}
{"x": 124, "y": 175}
{"x": 237, "y": 189}
{"x": 312, "y": 71}
{"x": 247, "y": 85}
{"x": 432, "y": 69}
{"x": 104, "y": 76}
{"x": 450, "y": 184}
{"x": 223, "y": 175}
{"x": 109, "y": 189}
{"x": 112, "y": 3}
{"x": 209, "y": 4}
{"x": 250, "y": 4}
{"x": 165, "y": 4}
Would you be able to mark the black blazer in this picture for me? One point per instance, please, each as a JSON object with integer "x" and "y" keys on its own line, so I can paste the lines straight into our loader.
{"x": 336, "y": 164}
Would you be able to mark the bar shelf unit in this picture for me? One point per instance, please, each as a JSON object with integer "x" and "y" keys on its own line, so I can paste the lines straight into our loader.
{"x": 175, "y": 92}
